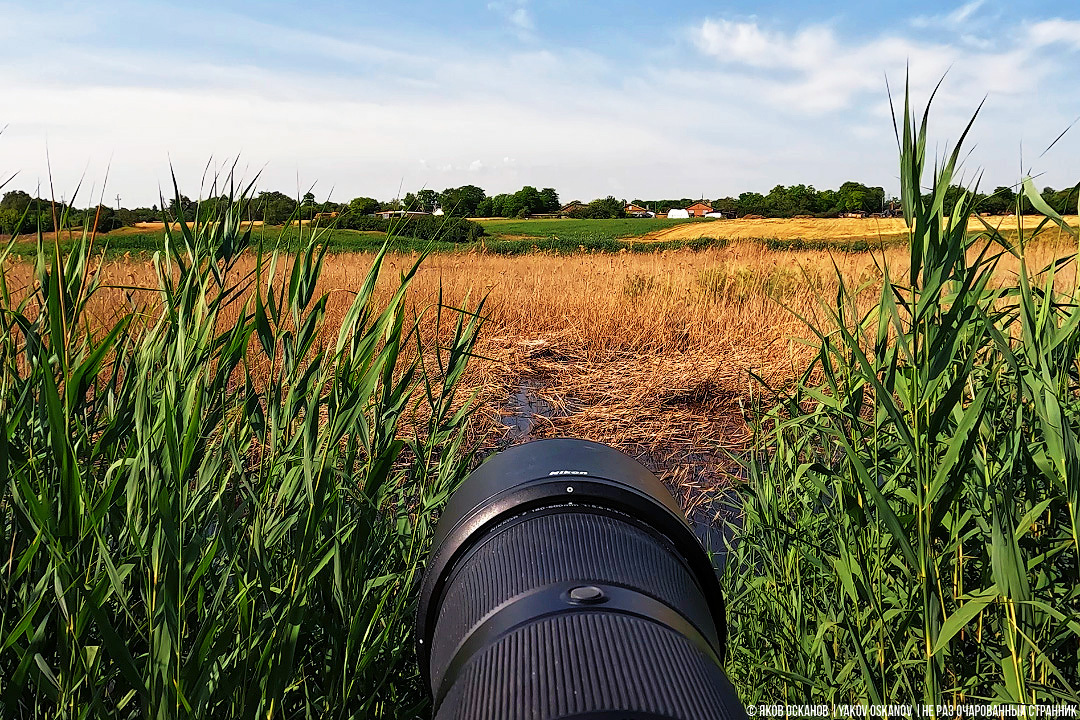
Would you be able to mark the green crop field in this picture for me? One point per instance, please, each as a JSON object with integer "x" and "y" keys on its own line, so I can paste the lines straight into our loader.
{"x": 139, "y": 241}
{"x": 506, "y": 237}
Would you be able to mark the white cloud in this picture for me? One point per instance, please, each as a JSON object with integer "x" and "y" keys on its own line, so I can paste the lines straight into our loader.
{"x": 950, "y": 21}
{"x": 963, "y": 13}
{"x": 1049, "y": 32}
{"x": 820, "y": 73}
{"x": 809, "y": 70}
{"x": 516, "y": 12}
{"x": 745, "y": 42}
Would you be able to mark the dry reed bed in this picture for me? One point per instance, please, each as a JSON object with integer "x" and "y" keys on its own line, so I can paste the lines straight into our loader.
{"x": 650, "y": 353}
{"x": 653, "y": 353}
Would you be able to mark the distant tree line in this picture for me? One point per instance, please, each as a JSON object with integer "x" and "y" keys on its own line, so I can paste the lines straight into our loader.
{"x": 20, "y": 211}
{"x": 598, "y": 209}
{"x": 794, "y": 200}
{"x": 1003, "y": 200}
{"x": 465, "y": 201}
{"x": 788, "y": 201}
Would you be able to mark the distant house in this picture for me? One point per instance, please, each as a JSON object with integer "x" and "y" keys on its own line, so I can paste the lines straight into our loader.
{"x": 571, "y": 207}
{"x": 633, "y": 210}
{"x": 678, "y": 214}
{"x": 698, "y": 209}
{"x": 325, "y": 216}
{"x": 389, "y": 214}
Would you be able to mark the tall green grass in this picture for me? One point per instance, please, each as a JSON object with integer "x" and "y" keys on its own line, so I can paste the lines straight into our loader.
{"x": 911, "y": 510}
{"x": 213, "y": 507}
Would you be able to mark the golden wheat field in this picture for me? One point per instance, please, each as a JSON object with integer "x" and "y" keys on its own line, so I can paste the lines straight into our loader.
{"x": 654, "y": 353}
{"x": 824, "y": 229}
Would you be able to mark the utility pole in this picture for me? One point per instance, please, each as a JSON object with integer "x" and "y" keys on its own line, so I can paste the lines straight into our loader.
{"x": 118, "y": 202}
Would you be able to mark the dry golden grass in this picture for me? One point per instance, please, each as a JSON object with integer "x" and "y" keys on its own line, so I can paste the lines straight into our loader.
{"x": 819, "y": 229}
{"x": 652, "y": 353}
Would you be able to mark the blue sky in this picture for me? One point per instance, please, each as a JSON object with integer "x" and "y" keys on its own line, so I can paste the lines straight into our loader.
{"x": 592, "y": 98}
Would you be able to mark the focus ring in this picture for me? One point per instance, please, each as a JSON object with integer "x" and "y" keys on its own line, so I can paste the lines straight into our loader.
{"x": 571, "y": 545}
{"x": 594, "y": 664}
{"x": 559, "y": 598}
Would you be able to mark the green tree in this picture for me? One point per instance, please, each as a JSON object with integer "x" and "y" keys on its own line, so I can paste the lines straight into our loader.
{"x": 464, "y": 201}
{"x": 828, "y": 201}
{"x": 609, "y": 207}
{"x": 1000, "y": 202}
{"x": 10, "y": 221}
{"x": 726, "y": 205}
{"x": 751, "y": 203}
{"x": 274, "y": 207}
{"x": 184, "y": 206}
{"x": 525, "y": 201}
{"x": 427, "y": 200}
{"x": 103, "y": 219}
{"x": 363, "y": 206}
{"x": 1062, "y": 201}
{"x": 854, "y": 196}
{"x": 549, "y": 200}
{"x": 14, "y": 215}
{"x": 790, "y": 201}
{"x": 16, "y": 200}
{"x": 500, "y": 205}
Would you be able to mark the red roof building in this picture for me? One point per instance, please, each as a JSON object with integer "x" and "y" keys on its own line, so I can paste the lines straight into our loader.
{"x": 633, "y": 210}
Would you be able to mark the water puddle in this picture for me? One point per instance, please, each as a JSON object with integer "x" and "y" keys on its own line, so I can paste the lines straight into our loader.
{"x": 525, "y": 411}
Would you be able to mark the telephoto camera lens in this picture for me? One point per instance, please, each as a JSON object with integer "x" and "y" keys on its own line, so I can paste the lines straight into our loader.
{"x": 565, "y": 582}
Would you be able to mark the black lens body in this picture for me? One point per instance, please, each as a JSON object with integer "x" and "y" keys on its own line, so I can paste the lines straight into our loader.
{"x": 565, "y": 582}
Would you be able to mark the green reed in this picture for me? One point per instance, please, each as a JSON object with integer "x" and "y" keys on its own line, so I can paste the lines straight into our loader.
{"x": 911, "y": 530}
{"x": 208, "y": 518}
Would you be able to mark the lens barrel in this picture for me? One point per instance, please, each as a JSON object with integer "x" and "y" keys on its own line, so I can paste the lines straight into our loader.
{"x": 565, "y": 581}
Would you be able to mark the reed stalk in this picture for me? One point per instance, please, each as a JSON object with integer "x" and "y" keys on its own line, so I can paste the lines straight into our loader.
{"x": 183, "y": 538}
{"x": 910, "y": 524}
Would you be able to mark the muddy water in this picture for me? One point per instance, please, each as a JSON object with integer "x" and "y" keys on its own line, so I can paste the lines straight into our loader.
{"x": 524, "y": 412}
